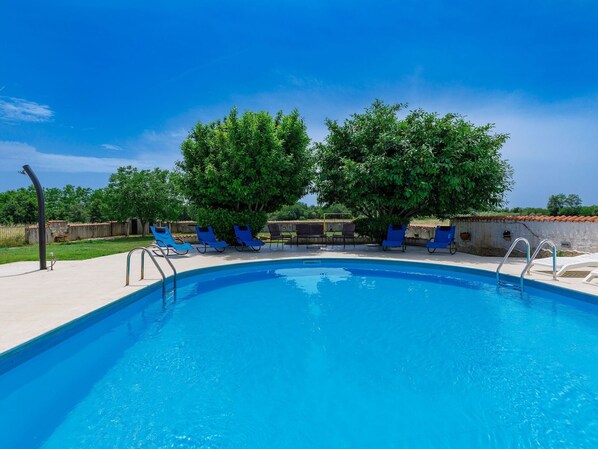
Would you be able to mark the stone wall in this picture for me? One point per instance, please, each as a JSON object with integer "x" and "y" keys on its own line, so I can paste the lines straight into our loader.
{"x": 492, "y": 236}
{"x": 61, "y": 231}
{"x": 487, "y": 236}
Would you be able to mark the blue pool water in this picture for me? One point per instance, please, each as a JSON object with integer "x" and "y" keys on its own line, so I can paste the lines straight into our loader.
{"x": 328, "y": 355}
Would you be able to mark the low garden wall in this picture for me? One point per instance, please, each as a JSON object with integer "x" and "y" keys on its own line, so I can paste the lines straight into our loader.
{"x": 492, "y": 236}
{"x": 485, "y": 236}
{"x": 61, "y": 231}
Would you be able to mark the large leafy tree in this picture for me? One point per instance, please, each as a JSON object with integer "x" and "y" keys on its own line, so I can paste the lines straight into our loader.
{"x": 238, "y": 169}
{"x": 380, "y": 165}
{"x": 250, "y": 162}
{"x": 148, "y": 195}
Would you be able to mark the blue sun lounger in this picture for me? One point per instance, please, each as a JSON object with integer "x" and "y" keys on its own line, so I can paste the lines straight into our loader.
{"x": 164, "y": 239}
{"x": 206, "y": 237}
{"x": 245, "y": 239}
{"x": 395, "y": 237}
{"x": 444, "y": 237}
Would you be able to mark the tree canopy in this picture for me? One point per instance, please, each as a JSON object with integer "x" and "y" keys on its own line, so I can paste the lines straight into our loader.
{"x": 561, "y": 204}
{"x": 252, "y": 162}
{"x": 378, "y": 165}
{"x": 148, "y": 195}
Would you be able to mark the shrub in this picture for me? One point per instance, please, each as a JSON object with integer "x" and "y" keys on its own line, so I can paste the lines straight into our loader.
{"x": 588, "y": 210}
{"x": 223, "y": 220}
{"x": 376, "y": 228}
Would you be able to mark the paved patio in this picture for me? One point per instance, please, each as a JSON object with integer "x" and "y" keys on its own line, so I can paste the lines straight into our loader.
{"x": 33, "y": 302}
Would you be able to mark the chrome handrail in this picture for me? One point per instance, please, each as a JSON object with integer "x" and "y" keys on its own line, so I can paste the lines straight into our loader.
{"x": 511, "y": 248}
{"x": 165, "y": 258}
{"x": 145, "y": 250}
{"x": 529, "y": 263}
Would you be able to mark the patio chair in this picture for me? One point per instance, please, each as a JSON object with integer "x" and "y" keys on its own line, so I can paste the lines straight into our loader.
{"x": 444, "y": 237}
{"x": 206, "y": 237}
{"x": 164, "y": 239}
{"x": 277, "y": 234}
{"x": 308, "y": 231}
{"x": 246, "y": 240}
{"x": 564, "y": 264}
{"x": 347, "y": 233}
{"x": 589, "y": 277}
{"x": 395, "y": 237}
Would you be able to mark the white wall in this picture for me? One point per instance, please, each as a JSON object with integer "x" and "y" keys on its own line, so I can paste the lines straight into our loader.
{"x": 487, "y": 236}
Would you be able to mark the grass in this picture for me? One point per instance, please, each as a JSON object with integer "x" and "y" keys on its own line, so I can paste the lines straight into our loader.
{"x": 12, "y": 236}
{"x": 88, "y": 249}
{"x": 85, "y": 249}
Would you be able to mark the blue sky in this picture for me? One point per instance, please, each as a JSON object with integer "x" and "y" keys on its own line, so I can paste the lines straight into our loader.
{"x": 88, "y": 86}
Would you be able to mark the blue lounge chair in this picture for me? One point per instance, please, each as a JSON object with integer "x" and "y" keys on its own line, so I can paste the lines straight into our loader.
{"x": 246, "y": 240}
{"x": 443, "y": 238}
{"x": 206, "y": 237}
{"x": 395, "y": 237}
{"x": 164, "y": 239}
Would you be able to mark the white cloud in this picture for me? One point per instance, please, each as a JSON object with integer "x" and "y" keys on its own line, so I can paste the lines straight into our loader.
{"x": 15, "y": 154}
{"x": 109, "y": 146}
{"x": 20, "y": 110}
{"x": 159, "y": 148}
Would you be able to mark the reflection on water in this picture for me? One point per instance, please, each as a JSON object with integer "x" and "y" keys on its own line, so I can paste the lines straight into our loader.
{"x": 308, "y": 279}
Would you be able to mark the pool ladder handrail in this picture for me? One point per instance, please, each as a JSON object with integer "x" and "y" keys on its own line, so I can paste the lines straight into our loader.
{"x": 527, "y": 268}
{"x": 511, "y": 248}
{"x": 153, "y": 258}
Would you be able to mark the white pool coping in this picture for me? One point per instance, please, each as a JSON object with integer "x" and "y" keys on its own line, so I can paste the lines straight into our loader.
{"x": 33, "y": 302}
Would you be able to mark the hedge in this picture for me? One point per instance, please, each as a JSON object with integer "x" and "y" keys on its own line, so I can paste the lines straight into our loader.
{"x": 223, "y": 220}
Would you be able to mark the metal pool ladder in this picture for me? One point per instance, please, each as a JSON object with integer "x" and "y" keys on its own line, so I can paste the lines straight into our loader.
{"x": 529, "y": 262}
{"x": 153, "y": 258}
{"x": 511, "y": 248}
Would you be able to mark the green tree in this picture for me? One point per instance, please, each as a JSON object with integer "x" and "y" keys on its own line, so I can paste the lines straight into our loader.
{"x": 245, "y": 166}
{"x": 573, "y": 201}
{"x": 381, "y": 166}
{"x": 561, "y": 204}
{"x": 296, "y": 211}
{"x": 147, "y": 195}
{"x": 18, "y": 206}
{"x": 98, "y": 207}
{"x": 556, "y": 203}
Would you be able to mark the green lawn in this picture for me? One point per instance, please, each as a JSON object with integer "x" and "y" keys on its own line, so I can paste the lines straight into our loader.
{"x": 85, "y": 249}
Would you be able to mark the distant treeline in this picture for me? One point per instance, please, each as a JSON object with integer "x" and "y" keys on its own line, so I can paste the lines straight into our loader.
{"x": 583, "y": 211}
{"x": 301, "y": 211}
{"x": 559, "y": 204}
{"x": 73, "y": 204}
{"x": 85, "y": 205}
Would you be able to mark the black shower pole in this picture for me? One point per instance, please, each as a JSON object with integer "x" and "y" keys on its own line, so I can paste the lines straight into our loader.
{"x": 41, "y": 215}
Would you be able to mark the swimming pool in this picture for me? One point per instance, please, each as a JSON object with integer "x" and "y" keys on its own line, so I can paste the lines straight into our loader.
{"x": 319, "y": 354}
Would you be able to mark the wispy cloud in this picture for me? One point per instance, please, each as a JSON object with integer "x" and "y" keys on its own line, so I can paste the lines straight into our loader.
{"x": 20, "y": 110}
{"x": 109, "y": 146}
{"x": 15, "y": 154}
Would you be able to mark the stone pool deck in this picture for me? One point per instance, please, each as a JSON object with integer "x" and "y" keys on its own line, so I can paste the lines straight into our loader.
{"x": 33, "y": 302}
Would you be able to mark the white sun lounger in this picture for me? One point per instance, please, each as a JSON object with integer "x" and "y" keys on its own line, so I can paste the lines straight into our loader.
{"x": 564, "y": 264}
{"x": 592, "y": 275}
